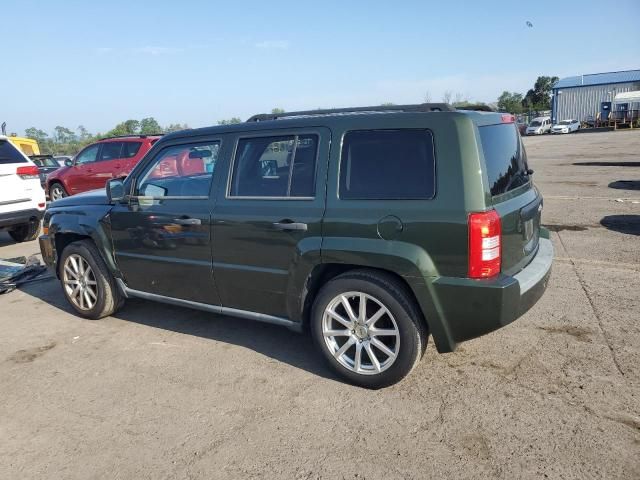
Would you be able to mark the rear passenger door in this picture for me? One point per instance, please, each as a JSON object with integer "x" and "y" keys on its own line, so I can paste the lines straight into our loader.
{"x": 267, "y": 222}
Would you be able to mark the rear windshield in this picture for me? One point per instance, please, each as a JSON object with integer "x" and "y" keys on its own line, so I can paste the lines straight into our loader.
{"x": 9, "y": 153}
{"x": 505, "y": 157}
{"x": 44, "y": 162}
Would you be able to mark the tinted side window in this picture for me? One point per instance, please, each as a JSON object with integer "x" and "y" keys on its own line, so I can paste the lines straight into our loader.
{"x": 9, "y": 153}
{"x": 88, "y": 155}
{"x": 504, "y": 156}
{"x": 275, "y": 167}
{"x": 387, "y": 164}
{"x": 180, "y": 171}
{"x": 130, "y": 149}
{"x": 110, "y": 151}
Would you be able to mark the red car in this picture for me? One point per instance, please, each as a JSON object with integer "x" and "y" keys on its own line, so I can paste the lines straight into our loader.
{"x": 101, "y": 161}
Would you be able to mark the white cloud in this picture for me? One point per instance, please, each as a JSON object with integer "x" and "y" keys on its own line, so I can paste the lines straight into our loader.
{"x": 155, "y": 51}
{"x": 273, "y": 44}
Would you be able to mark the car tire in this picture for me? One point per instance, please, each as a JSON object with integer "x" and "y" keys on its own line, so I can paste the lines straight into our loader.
{"x": 400, "y": 330}
{"x": 57, "y": 191}
{"x": 86, "y": 281}
{"x": 25, "y": 232}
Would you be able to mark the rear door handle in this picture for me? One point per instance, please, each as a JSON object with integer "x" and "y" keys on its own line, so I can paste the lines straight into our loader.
{"x": 289, "y": 225}
{"x": 187, "y": 221}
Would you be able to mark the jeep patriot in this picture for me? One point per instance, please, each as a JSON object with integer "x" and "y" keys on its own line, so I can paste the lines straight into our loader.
{"x": 371, "y": 228}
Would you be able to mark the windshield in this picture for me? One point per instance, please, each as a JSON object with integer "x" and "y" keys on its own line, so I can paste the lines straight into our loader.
{"x": 504, "y": 156}
{"x": 565, "y": 122}
{"x": 535, "y": 123}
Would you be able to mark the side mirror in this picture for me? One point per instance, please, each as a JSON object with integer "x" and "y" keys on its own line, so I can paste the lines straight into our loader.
{"x": 68, "y": 162}
{"x": 115, "y": 190}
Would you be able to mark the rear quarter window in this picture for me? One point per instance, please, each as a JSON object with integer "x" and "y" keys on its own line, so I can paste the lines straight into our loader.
{"x": 10, "y": 154}
{"x": 131, "y": 149}
{"x": 505, "y": 158}
{"x": 387, "y": 165}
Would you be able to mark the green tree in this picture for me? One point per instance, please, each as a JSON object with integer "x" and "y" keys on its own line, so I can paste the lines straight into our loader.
{"x": 64, "y": 135}
{"x": 387, "y": 104}
{"x": 38, "y": 135}
{"x": 276, "y": 111}
{"x": 174, "y": 127}
{"x": 84, "y": 135}
{"x": 128, "y": 127}
{"x": 149, "y": 125}
{"x": 229, "y": 121}
{"x": 510, "y": 102}
{"x": 539, "y": 97}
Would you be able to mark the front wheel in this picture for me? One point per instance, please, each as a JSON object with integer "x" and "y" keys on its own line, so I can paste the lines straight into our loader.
{"x": 87, "y": 283}
{"x": 57, "y": 191}
{"x": 368, "y": 328}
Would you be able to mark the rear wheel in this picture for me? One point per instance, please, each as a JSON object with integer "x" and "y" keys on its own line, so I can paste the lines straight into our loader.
{"x": 368, "y": 328}
{"x": 57, "y": 191}
{"x": 87, "y": 283}
{"x": 25, "y": 232}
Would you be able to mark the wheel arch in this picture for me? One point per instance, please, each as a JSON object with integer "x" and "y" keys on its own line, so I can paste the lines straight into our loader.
{"x": 70, "y": 226}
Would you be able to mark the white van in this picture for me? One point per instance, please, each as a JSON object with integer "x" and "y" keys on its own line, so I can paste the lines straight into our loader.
{"x": 539, "y": 125}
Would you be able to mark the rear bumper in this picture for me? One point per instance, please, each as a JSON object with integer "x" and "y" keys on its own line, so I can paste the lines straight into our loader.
{"x": 9, "y": 219}
{"x": 471, "y": 308}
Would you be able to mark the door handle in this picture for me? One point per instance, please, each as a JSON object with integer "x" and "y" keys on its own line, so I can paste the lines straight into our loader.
{"x": 187, "y": 221}
{"x": 288, "y": 225}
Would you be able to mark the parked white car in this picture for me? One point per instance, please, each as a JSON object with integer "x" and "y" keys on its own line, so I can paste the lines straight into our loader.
{"x": 566, "y": 126}
{"x": 539, "y": 125}
{"x": 22, "y": 199}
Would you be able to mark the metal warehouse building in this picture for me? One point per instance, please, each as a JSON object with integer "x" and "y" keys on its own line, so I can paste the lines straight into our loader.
{"x": 589, "y": 95}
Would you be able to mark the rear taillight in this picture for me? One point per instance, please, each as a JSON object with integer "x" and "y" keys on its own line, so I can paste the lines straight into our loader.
{"x": 27, "y": 173}
{"x": 508, "y": 118}
{"x": 485, "y": 244}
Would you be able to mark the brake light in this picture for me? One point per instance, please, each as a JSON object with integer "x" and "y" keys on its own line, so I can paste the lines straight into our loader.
{"x": 508, "y": 118}
{"x": 27, "y": 173}
{"x": 485, "y": 244}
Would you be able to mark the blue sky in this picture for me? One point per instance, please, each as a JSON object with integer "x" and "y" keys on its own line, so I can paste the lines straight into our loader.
{"x": 97, "y": 63}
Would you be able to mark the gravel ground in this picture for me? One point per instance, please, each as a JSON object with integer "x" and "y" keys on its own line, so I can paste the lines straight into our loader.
{"x": 163, "y": 392}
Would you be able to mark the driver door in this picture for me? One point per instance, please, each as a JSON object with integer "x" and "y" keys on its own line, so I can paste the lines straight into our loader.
{"x": 79, "y": 175}
{"x": 162, "y": 237}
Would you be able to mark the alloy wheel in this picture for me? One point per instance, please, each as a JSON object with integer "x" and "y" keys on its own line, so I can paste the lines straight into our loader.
{"x": 361, "y": 333}
{"x": 57, "y": 193}
{"x": 80, "y": 282}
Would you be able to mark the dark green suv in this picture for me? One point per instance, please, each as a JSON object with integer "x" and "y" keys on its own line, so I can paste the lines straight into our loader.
{"x": 371, "y": 227}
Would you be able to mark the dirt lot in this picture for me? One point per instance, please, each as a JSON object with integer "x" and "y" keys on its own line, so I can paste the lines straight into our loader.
{"x": 164, "y": 392}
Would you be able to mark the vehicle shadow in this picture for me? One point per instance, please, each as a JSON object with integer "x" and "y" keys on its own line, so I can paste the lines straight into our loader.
{"x": 273, "y": 341}
{"x": 625, "y": 184}
{"x": 5, "y": 239}
{"x": 607, "y": 164}
{"x": 629, "y": 224}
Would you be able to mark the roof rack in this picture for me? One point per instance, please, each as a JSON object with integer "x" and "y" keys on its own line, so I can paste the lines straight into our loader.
{"x": 133, "y": 135}
{"x": 478, "y": 107}
{"x": 422, "y": 107}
